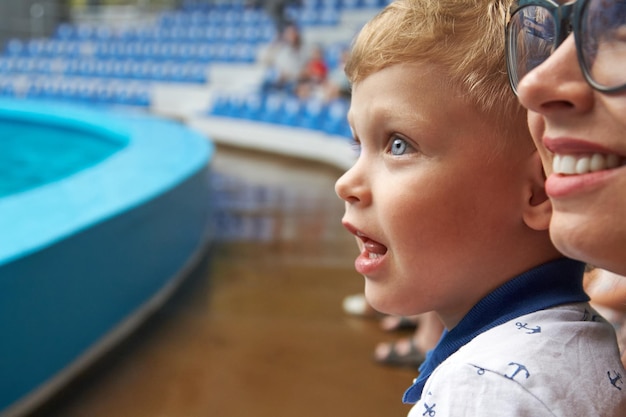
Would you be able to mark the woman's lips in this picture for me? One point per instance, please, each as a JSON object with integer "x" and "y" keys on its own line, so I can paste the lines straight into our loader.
{"x": 579, "y": 166}
{"x": 575, "y": 174}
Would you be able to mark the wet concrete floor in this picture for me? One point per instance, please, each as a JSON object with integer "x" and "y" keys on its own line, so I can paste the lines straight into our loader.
{"x": 258, "y": 328}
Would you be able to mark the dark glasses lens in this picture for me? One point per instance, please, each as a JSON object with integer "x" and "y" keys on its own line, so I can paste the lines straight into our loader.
{"x": 602, "y": 43}
{"x": 600, "y": 30}
{"x": 530, "y": 40}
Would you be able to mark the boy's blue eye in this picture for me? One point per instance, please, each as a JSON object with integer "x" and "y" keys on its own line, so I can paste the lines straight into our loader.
{"x": 398, "y": 146}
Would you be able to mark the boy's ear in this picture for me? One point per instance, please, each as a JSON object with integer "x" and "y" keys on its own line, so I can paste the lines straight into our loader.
{"x": 538, "y": 209}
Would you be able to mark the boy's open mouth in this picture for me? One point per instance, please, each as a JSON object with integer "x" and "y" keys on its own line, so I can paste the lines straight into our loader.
{"x": 374, "y": 249}
{"x": 585, "y": 163}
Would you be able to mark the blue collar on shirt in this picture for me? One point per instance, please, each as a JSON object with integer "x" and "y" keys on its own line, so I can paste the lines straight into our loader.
{"x": 554, "y": 283}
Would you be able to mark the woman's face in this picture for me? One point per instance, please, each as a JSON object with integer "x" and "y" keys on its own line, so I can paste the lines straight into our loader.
{"x": 581, "y": 135}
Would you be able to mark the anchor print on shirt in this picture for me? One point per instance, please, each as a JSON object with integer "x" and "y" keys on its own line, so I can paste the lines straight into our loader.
{"x": 615, "y": 379}
{"x": 529, "y": 330}
{"x": 517, "y": 368}
{"x": 587, "y": 316}
{"x": 430, "y": 410}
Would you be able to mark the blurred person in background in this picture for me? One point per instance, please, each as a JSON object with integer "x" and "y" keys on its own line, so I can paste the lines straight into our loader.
{"x": 314, "y": 74}
{"x": 337, "y": 84}
{"x": 284, "y": 61}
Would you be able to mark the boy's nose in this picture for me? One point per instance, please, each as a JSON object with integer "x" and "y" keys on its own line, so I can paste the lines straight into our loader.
{"x": 351, "y": 187}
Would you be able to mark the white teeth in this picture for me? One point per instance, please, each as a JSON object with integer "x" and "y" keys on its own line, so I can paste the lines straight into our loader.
{"x": 597, "y": 162}
{"x": 612, "y": 161}
{"x": 583, "y": 164}
{"x": 568, "y": 164}
{"x": 373, "y": 255}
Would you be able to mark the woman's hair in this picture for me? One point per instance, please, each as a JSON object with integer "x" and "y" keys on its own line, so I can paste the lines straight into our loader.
{"x": 465, "y": 38}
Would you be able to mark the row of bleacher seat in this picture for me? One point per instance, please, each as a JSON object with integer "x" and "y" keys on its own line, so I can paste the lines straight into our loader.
{"x": 304, "y": 17}
{"x": 167, "y": 71}
{"x": 253, "y": 33}
{"x": 343, "y": 5}
{"x": 153, "y": 50}
{"x": 250, "y": 26}
{"x": 188, "y": 40}
{"x": 278, "y": 108}
{"x": 84, "y": 90}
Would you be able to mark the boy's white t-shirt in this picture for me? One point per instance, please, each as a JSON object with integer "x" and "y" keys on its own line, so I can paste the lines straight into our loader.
{"x": 562, "y": 361}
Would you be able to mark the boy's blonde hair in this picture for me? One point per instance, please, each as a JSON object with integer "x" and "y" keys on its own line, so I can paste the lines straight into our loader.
{"x": 464, "y": 37}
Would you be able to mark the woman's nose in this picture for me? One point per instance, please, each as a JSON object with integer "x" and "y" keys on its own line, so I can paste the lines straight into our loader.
{"x": 557, "y": 84}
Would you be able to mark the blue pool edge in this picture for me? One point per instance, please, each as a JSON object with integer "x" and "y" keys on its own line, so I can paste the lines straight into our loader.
{"x": 90, "y": 268}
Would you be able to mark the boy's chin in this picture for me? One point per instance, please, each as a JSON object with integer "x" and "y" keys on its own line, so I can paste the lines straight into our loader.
{"x": 387, "y": 303}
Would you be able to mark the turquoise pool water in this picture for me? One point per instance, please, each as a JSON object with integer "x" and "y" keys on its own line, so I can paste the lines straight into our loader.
{"x": 33, "y": 155}
{"x": 102, "y": 214}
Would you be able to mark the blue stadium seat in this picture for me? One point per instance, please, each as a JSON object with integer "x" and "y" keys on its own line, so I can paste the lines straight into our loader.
{"x": 290, "y": 115}
{"x": 152, "y": 33}
{"x": 86, "y": 68}
{"x": 7, "y": 88}
{"x": 71, "y": 67}
{"x": 351, "y": 4}
{"x": 196, "y": 34}
{"x": 36, "y": 47}
{"x": 231, "y": 17}
{"x": 334, "y": 4}
{"x": 44, "y": 66}
{"x": 219, "y": 105}
{"x": 165, "y": 19}
{"x": 224, "y": 52}
{"x": 243, "y": 52}
{"x": 65, "y": 31}
{"x": 231, "y": 34}
{"x": 305, "y": 17}
{"x": 233, "y": 105}
{"x": 50, "y": 88}
{"x": 198, "y": 73}
{"x": 5, "y": 66}
{"x": 311, "y": 4}
{"x": 205, "y": 53}
{"x": 329, "y": 16}
{"x": 274, "y": 106}
{"x": 104, "y": 93}
{"x": 15, "y": 47}
{"x": 313, "y": 113}
{"x": 197, "y": 18}
{"x": 251, "y": 17}
{"x": 336, "y": 117}
{"x": 86, "y": 91}
{"x": 142, "y": 70}
{"x": 84, "y": 32}
{"x": 142, "y": 95}
{"x": 34, "y": 89}
{"x": 253, "y": 106}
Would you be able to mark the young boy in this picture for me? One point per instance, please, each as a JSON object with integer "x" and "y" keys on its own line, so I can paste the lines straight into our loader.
{"x": 447, "y": 204}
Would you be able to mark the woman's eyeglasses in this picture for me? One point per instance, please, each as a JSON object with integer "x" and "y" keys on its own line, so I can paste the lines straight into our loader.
{"x": 535, "y": 28}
